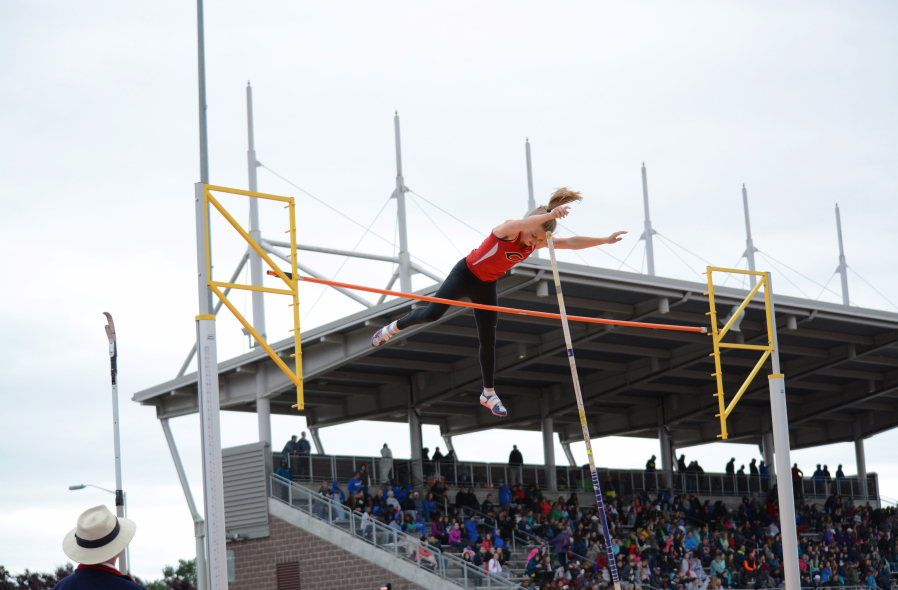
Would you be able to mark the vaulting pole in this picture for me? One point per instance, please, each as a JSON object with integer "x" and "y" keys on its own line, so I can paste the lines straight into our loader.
{"x": 600, "y": 506}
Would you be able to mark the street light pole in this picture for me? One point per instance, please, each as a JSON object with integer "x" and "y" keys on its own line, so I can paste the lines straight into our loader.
{"x": 119, "y": 494}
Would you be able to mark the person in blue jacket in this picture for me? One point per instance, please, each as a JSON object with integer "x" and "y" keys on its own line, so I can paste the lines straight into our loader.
{"x": 471, "y": 528}
{"x": 504, "y": 496}
{"x": 336, "y": 492}
{"x": 430, "y": 507}
{"x": 420, "y": 525}
{"x": 95, "y": 544}
{"x": 354, "y": 484}
{"x": 499, "y": 543}
{"x": 287, "y": 474}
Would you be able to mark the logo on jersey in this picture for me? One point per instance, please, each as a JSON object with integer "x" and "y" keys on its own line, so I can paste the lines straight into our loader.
{"x": 515, "y": 256}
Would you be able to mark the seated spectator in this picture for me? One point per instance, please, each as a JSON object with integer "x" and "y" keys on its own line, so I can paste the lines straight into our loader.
{"x": 392, "y": 502}
{"x": 500, "y": 545}
{"x": 429, "y": 507}
{"x": 420, "y": 525}
{"x": 455, "y": 537}
{"x": 419, "y": 503}
{"x": 408, "y": 505}
{"x": 336, "y": 492}
{"x": 437, "y": 531}
{"x": 487, "y": 504}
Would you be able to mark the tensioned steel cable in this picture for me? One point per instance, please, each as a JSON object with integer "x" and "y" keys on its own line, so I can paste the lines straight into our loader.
{"x": 451, "y": 243}
{"x": 772, "y": 259}
{"x": 874, "y": 288}
{"x": 341, "y": 214}
{"x": 345, "y": 260}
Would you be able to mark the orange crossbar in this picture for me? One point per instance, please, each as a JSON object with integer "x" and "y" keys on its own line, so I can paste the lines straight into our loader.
{"x": 538, "y": 314}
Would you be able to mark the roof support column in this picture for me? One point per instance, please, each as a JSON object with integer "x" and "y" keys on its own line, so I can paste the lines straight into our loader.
{"x": 447, "y": 438}
{"x": 664, "y": 441}
{"x": 319, "y": 448}
{"x": 860, "y": 458}
{"x": 566, "y": 445}
{"x": 199, "y": 526}
{"x": 548, "y": 439}
{"x": 767, "y": 452}
{"x": 414, "y": 429}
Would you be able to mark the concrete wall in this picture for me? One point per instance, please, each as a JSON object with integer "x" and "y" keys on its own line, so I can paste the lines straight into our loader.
{"x": 327, "y": 557}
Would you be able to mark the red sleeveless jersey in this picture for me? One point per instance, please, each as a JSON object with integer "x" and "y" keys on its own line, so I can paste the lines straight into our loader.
{"x": 495, "y": 257}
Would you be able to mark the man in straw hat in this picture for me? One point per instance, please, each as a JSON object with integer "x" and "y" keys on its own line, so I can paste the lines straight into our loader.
{"x": 96, "y": 543}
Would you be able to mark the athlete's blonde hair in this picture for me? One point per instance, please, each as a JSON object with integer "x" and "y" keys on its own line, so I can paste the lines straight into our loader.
{"x": 560, "y": 197}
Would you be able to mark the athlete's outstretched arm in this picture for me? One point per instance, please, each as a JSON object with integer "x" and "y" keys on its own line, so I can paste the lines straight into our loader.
{"x": 581, "y": 242}
{"x": 513, "y": 227}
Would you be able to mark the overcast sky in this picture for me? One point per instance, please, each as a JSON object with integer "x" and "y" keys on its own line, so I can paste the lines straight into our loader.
{"x": 99, "y": 153}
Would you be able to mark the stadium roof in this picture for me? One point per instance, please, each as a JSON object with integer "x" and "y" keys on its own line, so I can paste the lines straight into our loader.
{"x": 840, "y": 363}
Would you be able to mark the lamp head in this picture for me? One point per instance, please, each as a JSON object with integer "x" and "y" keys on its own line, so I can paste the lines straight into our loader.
{"x": 80, "y": 486}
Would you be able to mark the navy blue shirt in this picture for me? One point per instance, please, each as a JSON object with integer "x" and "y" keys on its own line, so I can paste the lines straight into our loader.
{"x": 96, "y": 579}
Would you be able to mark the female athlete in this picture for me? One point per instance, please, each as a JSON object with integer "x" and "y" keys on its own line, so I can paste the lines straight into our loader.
{"x": 475, "y": 277}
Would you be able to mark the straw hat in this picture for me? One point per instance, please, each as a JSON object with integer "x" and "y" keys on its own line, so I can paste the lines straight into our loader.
{"x": 99, "y": 536}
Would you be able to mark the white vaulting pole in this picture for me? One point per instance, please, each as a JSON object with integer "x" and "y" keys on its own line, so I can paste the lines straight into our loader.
{"x": 600, "y": 506}
{"x": 119, "y": 494}
{"x": 207, "y": 369}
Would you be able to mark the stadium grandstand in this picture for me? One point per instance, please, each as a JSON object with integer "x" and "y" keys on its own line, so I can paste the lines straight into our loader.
{"x": 425, "y": 522}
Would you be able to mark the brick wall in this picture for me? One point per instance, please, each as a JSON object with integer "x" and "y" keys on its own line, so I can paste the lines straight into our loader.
{"x": 322, "y": 565}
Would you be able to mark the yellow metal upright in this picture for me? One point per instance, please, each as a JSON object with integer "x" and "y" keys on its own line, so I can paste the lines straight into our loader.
{"x": 300, "y": 402}
{"x": 718, "y": 372}
{"x": 294, "y": 375}
{"x": 718, "y": 343}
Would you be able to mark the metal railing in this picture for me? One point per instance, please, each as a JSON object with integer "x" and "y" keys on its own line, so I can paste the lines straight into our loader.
{"x": 447, "y": 566}
{"x": 309, "y": 468}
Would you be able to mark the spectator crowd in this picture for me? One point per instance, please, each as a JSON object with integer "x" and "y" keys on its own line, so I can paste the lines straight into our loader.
{"x": 664, "y": 542}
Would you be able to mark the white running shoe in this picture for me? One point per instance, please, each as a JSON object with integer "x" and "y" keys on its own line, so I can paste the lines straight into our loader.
{"x": 381, "y": 336}
{"x": 492, "y": 402}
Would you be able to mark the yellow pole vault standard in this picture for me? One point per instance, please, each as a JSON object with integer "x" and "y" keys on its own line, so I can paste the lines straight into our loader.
{"x": 293, "y": 285}
{"x": 600, "y": 506}
{"x": 717, "y": 336}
